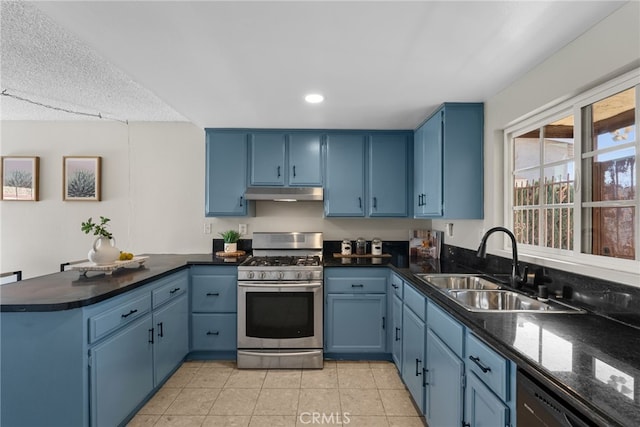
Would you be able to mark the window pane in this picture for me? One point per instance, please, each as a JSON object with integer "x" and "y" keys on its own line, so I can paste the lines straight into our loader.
{"x": 612, "y": 121}
{"x": 526, "y": 188}
{"x": 558, "y": 184}
{"x": 526, "y": 226}
{"x": 527, "y": 150}
{"x": 609, "y": 232}
{"x": 558, "y": 140}
{"x": 559, "y": 228}
{"x": 611, "y": 176}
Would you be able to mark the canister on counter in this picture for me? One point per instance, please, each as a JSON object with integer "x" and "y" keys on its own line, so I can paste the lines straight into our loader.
{"x": 376, "y": 246}
{"x": 346, "y": 247}
{"x": 361, "y": 246}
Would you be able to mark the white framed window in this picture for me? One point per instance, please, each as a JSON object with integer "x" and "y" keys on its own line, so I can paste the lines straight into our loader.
{"x": 571, "y": 179}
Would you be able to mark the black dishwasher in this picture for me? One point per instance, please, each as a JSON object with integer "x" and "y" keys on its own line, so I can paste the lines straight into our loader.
{"x": 537, "y": 406}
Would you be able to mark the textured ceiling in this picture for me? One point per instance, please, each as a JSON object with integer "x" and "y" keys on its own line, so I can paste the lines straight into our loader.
{"x": 381, "y": 65}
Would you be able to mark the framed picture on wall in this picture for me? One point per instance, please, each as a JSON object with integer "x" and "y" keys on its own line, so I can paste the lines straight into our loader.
{"x": 20, "y": 178}
{"x": 81, "y": 178}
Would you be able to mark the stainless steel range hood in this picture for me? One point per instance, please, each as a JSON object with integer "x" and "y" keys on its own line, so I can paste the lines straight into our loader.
{"x": 284, "y": 194}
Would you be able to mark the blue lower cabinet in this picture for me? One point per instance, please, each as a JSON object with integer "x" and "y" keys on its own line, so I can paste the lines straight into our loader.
{"x": 483, "y": 408}
{"x": 413, "y": 355}
{"x": 171, "y": 340}
{"x": 396, "y": 331}
{"x": 444, "y": 379}
{"x": 355, "y": 323}
{"x": 214, "y": 331}
{"x": 121, "y": 373}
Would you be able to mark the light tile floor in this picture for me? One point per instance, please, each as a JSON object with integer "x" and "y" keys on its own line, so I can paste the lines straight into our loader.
{"x": 216, "y": 393}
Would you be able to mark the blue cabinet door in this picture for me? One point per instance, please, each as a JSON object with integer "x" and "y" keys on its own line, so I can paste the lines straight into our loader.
{"x": 413, "y": 355}
{"x": 432, "y": 167}
{"x": 344, "y": 193}
{"x": 268, "y": 159}
{"x": 121, "y": 373}
{"x": 171, "y": 329}
{"x": 305, "y": 159}
{"x": 396, "y": 331}
{"x": 418, "y": 173}
{"x": 226, "y": 173}
{"x": 388, "y": 178}
{"x": 482, "y": 407}
{"x": 444, "y": 391}
{"x": 355, "y": 323}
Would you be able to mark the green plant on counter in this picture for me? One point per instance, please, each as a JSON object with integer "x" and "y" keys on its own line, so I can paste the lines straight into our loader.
{"x": 230, "y": 236}
{"x": 97, "y": 229}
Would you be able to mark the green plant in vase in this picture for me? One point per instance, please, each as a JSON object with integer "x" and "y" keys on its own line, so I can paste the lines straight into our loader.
{"x": 104, "y": 250}
{"x": 230, "y": 238}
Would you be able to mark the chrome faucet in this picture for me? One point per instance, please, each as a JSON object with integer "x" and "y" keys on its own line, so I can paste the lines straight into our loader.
{"x": 516, "y": 279}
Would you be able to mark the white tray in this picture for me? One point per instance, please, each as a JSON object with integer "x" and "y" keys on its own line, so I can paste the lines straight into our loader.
{"x": 84, "y": 267}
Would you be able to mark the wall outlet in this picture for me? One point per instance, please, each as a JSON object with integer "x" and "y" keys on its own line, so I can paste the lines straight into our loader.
{"x": 242, "y": 229}
{"x": 207, "y": 228}
{"x": 449, "y": 227}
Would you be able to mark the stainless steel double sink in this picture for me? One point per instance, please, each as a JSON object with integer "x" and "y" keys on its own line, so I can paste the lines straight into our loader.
{"x": 478, "y": 294}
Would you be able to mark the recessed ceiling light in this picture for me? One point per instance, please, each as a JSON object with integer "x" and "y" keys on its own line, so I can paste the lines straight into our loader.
{"x": 314, "y": 98}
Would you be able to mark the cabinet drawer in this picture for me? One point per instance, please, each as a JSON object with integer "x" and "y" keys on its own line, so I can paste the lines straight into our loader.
{"x": 488, "y": 365}
{"x": 446, "y": 328}
{"x": 214, "y": 331}
{"x": 214, "y": 294}
{"x": 356, "y": 285}
{"x": 176, "y": 286}
{"x": 415, "y": 301}
{"x": 104, "y": 323}
{"x": 396, "y": 284}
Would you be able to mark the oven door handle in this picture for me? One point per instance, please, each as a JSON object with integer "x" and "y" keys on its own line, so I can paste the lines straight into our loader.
{"x": 305, "y": 285}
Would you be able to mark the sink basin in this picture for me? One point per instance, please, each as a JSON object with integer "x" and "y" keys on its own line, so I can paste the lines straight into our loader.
{"x": 457, "y": 281}
{"x": 506, "y": 301}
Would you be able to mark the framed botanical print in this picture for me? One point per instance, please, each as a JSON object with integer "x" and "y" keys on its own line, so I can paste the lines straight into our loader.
{"x": 81, "y": 178}
{"x": 20, "y": 178}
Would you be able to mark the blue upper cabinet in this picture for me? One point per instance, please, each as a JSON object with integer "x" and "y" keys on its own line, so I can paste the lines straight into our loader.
{"x": 344, "y": 193}
{"x": 388, "y": 175}
{"x": 226, "y": 173}
{"x": 367, "y": 174}
{"x": 268, "y": 165}
{"x": 448, "y": 163}
{"x": 286, "y": 158}
{"x": 305, "y": 159}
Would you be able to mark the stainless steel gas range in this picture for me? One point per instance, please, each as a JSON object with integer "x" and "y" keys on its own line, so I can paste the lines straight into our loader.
{"x": 280, "y": 302}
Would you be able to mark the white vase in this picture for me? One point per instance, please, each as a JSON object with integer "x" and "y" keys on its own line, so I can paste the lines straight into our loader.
{"x": 231, "y": 247}
{"x": 104, "y": 251}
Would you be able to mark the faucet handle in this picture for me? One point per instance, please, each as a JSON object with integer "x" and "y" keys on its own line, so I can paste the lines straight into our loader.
{"x": 525, "y": 275}
{"x": 540, "y": 278}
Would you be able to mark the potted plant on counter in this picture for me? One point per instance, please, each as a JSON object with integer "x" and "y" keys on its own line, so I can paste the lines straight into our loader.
{"x": 104, "y": 250}
{"x": 230, "y": 238}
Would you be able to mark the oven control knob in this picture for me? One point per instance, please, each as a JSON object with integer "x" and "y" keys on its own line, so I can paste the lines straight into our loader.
{"x": 299, "y": 275}
{"x": 250, "y": 275}
{"x": 280, "y": 275}
{"x": 310, "y": 275}
{"x": 263, "y": 275}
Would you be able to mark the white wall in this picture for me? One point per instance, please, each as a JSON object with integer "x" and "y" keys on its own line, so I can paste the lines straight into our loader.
{"x": 153, "y": 191}
{"x": 606, "y": 50}
{"x": 153, "y": 173}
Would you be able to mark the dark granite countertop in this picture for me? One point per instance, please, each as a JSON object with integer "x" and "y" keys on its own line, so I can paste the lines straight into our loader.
{"x": 70, "y": 289}
{"x": 591, "y": 361}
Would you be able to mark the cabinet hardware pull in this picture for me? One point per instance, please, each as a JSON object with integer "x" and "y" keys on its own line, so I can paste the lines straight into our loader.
{"x": 213, "y": 294}
{"x": 278, "y": 171}
{"x": 173, "y": 291}
{"x": 160, "y": 329}
{"x": 418, "y": 362}
{"x": 384, "y": 322}
{"x": 466, "y": 424}
{"x": 375, "y": 203}
{"x": 151, "y": 335}
{"x": 124, "y": 316}
{"x": 394, "y": 286}
{"x": 424, "y": 377}
{"x": 397, "y": 337}
{"x": 360, "y": 202}
{"x": 294, "y": 171}
{"x": 241, "y": 201}
{"x": 476, "y": 360}
{"x": 213, "y": 333}
{"x": 353, "y": 285}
